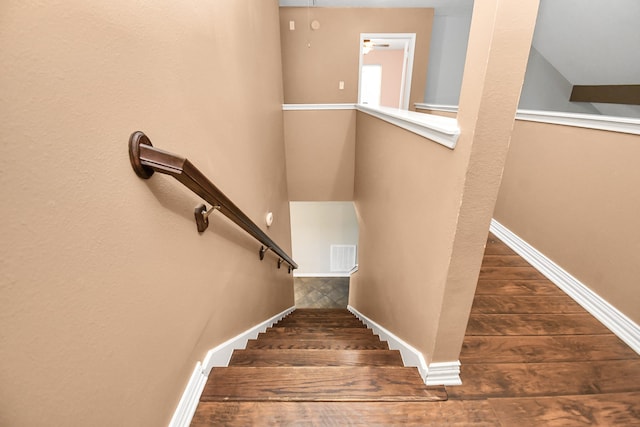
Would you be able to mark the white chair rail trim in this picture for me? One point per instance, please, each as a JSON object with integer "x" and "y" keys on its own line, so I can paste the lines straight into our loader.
{"x": 588, "y": 121}
{"x": 443, "y": 130}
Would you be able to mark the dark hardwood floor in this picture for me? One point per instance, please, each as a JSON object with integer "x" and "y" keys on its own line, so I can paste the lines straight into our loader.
{"x": 531, "y": 357}
{"x": 539, "y": 359}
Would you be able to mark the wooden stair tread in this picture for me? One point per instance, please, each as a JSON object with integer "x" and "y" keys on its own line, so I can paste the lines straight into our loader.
{"x": 345, "y": 333}
{"x": 326, "y": 312}
{"x": 319, "y": 344}
{"x": 324, "y": 324}
{"x": 331, "y": 384}
{"x": 477, "y": 413}
{"x": 316, "y": 358}
{"x": 317, "y": 329}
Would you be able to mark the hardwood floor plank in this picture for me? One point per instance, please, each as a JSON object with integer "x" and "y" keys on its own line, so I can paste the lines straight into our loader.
{"x": 496, "y": 247}
{"x": 517, "y": 287}
{"x": 617, "y": 409}
{"x": 510, "y": 273}
{"x": 534, "y": 324}
{"x": 316, "y": 358}
{"x": 443, "y": 414}
{"x": 547, "y": 379}
{"x": 511, "y": 304}
{"x": 504, "y": 261}
{"x": 332, "y": 384}
{"x": 321, "y": 344}
{"x": 536, "y": 349}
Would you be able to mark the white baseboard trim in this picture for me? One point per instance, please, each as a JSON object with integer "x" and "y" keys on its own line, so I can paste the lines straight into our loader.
{"x": 218, "y": 356}
{"x": 410, "y": 355}
{"x": 444, "y": 373}
{"x": 189, "y": 400}
{"x": 447, "y": 373}
{"x": 608, "y": 315}
{"x": 334, "y": 274}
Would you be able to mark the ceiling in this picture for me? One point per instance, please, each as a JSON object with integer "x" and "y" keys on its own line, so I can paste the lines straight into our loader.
{"x": 591, "y": 42}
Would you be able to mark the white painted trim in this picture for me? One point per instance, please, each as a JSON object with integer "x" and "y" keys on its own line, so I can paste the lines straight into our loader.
{"x": 612, "y": 318}
{"x": 218, "y": 356}
{"x": 407, "y": 62}
{"x": 317, "y": 107}
{"x": 410, "y": 355}
{"x": 334, "y": 274}
{"x": 590, "y": 121}
{"x": 444, "y": 373}
{"x": 436, "y": 107}
{"x": 443, "y": 130}
{"x": 189, "y": 400}
{"x": 587, "y": 121}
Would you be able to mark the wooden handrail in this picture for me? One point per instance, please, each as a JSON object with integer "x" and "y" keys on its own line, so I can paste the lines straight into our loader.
{"x": 146, "y": 159}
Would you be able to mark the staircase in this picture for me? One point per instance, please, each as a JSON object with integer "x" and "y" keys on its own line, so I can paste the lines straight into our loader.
{"x": 316, "y": 367}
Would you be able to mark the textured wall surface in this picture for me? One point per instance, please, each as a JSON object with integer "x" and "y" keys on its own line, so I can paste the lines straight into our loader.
{"x": 314, "y": 61}
{"x": 573, "y": 194}
{"x": 108, "y": 295}
{"x": 315, "y": 226}
{"x": 424, "y": 210}
{"x": 320, "y": 150}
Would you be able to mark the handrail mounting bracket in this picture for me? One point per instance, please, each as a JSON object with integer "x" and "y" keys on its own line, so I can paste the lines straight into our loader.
{"x": 135, "y": 140}
{"x": 263, "y": 250}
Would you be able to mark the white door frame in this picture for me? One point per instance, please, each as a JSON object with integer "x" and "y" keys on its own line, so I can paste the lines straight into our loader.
{"x": 408, "y": 61}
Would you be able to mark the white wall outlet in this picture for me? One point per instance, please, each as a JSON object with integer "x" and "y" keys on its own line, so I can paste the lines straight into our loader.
{"x": 292, "y": 25}
{"x": 341, "y": 85}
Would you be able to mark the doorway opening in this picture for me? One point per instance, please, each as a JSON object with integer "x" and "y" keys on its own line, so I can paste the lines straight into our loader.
{"x": 324, "y": 239}
{"x": 386, "y": 64}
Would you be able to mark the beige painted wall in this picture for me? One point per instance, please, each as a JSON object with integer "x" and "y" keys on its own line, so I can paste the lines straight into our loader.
{"x": 315, "y": 226}
{"x": 315, "y": 61}
{"x": 320, "y": 150}
{"x": 391, "y": 63}
{"x": 108, "y": 295}
{"x": 424, "y": 210}
{"x": 407, "y": 195}
{"x": 573, "y": 194}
